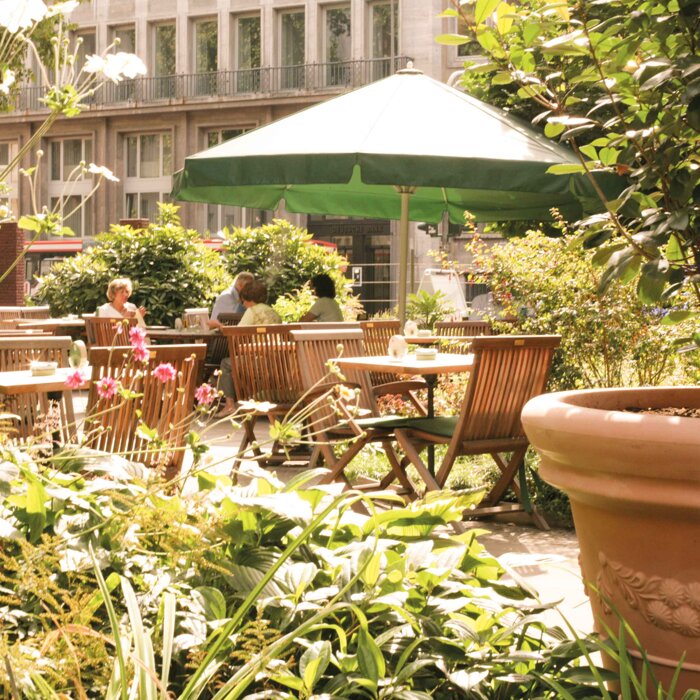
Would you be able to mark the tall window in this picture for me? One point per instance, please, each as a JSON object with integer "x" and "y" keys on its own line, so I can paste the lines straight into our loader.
{"x": 67, "y": 186}
{"x": 220, "y": 216}
{"x": 292, "y": 48}
{"x": 149, "y": 165}
{"x": 338, "y": 46}
{"x": 248, "y": 54}
{"x": 126, "y": 89}
{"x": 88, "y": 46}
{"x": 8, "y": 189}
{"x": 164, "y": 63}
{"x": 384, "y": 36}
{"x": 206, "y": 46}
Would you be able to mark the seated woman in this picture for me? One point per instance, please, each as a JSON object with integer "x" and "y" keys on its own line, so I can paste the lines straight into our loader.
{"x": 325, "y": 307}
{"x": 118, "y": 306}
{"x": 257, "y": 313}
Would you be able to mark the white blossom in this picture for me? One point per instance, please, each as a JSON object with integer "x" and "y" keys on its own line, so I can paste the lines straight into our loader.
{"x": 7, "y": 79}
{"x": 21, "y": 14}
{"x": 94, "y": 64}
{"x": 62, "y": 8}
{"x": 115, "y": 66}
{"x": 102, "y": 171}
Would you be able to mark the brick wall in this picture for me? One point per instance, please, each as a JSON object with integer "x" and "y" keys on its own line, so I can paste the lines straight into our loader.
{"x": 11, "y": 246}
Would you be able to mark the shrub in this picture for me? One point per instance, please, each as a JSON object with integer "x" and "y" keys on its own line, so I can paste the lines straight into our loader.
{"x": 283, "y": 256}
{"x": 548, "y": 285}
{"x": 170, "y": 267}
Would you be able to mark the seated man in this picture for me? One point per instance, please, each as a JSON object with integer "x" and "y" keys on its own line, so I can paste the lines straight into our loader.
{"x": 230, "y": 300}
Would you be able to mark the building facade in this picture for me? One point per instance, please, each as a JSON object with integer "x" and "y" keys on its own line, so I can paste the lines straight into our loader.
{"x": 217, "y": 68}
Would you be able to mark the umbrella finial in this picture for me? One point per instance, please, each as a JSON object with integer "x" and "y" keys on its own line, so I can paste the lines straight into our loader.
{"x": 409, "y": 70}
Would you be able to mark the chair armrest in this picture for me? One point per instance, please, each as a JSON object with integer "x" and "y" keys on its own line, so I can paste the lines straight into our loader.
{"x": 399, "y": 387}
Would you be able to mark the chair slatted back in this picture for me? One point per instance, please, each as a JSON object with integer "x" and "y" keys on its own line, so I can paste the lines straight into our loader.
{"x": 17, "y": 353}
{"x": 107, "y": 332}
{"x": 36, "y": 312}
{"x": 449, "y": 328}
{"x": 111, "y": 424}
{"x": 8, "y": 315}
{"x": 329, "y": 325}
{"x": 507, "y": 372}
{"x": 218, "y": 347}
{"x": 315, "y": 349}
{"x": 376, "y": 340}
{"x": 264, "y": 363}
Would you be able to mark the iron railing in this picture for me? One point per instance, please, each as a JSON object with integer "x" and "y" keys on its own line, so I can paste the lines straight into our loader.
{"x": 253, "y": 82}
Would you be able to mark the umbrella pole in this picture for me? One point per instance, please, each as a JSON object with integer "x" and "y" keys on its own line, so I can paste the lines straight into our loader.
{"x": 405, "y": 193}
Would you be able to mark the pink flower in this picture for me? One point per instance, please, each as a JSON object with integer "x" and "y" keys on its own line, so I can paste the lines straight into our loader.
{"x": 75, "y": 379}
{"x": 205, "y": 394}
{"x": 164, "y": 372}
{"x": 137, "y": 336}
{"x": 141, "y": 353}
{"x": 106, "y": 387}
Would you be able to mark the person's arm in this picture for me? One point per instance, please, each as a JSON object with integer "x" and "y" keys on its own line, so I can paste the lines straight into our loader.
{"x": 307, "y": 317}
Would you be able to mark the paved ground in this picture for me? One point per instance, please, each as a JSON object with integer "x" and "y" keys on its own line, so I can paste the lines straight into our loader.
{"x": 547, "y": 562}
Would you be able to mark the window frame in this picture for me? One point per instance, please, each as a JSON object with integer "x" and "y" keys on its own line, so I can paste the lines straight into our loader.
{"x": 138, "y": 185}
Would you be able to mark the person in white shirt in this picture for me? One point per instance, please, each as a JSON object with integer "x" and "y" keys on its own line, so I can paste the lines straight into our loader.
{"x": 230, "y": 300}
{"x": 119, "y": 306}
{"x": 325, "y": 307}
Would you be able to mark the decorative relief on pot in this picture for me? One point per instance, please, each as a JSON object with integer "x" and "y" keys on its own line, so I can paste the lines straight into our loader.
{"x": 663, "y": 602}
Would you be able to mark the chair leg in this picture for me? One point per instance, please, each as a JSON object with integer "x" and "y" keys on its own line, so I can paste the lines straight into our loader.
{"x": 414, "y": 456}
{"x": 337, "y": 469}
{"x": 248, "y": 439}
{"x": 398, "y": 472}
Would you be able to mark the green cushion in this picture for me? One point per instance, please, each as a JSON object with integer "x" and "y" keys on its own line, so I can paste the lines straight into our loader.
{"x": 443, "y": 426}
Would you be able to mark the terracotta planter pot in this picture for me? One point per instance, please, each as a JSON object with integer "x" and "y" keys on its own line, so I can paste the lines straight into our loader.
{"x": 634, "y": 484}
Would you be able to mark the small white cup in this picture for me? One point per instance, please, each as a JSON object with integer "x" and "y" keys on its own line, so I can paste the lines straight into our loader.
{"x": 398, "y": 347}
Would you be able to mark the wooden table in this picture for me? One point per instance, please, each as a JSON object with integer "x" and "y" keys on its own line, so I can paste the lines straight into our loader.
{"x": 24, "y": 382}
{"x": 182, "y": 335}
{"x": 444, "y": 363}
{"x": 73, "y": 326}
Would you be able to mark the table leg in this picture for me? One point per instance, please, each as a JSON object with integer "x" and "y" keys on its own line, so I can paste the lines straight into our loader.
{"x": 431, "y": 381}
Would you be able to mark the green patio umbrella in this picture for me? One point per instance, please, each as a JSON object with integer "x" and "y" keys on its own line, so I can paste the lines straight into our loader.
{"x": 407, "y": 148}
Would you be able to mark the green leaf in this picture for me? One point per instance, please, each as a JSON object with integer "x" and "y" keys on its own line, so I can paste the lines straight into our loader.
{"x": 565, "y": 169}
{"x": 35, "y": 507}
{"x": 314, "y": 662}
{"x": 452, "y": 39}
{"x": 552, "y": 130}
{"x": 369, "y": 656}
{"x": 29, "y": 223}
{"x": 449, "y": 12}
{"x": 212, "y": 601}
{"x": 484, "y": 9}
{"x": 652, "y": 280}
{"x": 502, "y": 78}
{"x": 678, "y": 316}
{"x": 674, "y": 251}
{"x": 504, "y": 13}
{"x": 588, "y": 150}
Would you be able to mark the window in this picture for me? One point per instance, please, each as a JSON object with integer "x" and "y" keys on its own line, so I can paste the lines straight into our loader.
{"x": 149, "y": 165}
{"x": 248, "y": 54}
{"x": 68, "y": 187}
{"x": 164, "y": 59}
{"x": 88, "y": 46}
{"x": 8, "y": 189}
{"x": 292, "y": 49}
{"x": 384, "y": 37}
{"x": 473, "y": 47}
{"x": 220, "y": 216}
{"x": 205, "y": 57}
{"x": 127, "y": 38}
{"x": 338, "y": 45}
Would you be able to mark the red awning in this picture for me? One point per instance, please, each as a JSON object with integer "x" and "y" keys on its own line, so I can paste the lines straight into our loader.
{"x": 60, "y": 245}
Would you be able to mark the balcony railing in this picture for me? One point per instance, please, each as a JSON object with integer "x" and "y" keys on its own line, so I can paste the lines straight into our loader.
{"x": 254, "y": 82}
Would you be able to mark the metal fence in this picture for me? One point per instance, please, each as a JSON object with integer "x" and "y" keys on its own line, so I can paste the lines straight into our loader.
{"x": 274, "y": 80}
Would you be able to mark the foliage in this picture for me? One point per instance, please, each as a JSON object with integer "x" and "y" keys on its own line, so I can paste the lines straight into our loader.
{"x": 170, "y": 267}
{"x": 547, "y": 285}
{"x": 622, "y": 77}
{"x": 427, "y": 309}
{"x": 270, "y": 588}
{"x": 283, "y": 256}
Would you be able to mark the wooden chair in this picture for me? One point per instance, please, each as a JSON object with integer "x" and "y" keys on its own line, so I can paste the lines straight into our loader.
{"x": 329, "y": 325}
{"x": 376, "y": 335}
{"x": 461, "y": 328}
{"x": 36, "y": 312}
{"x": 17, "y": 353}
{"x": 264, "y": 369}
{"x": 113, "y": 424}
{"x": 218, "y": 347}
{"x": 8, "y": 315}
{"x": 506, "y": 373}
{"x": 314, "y": 350}
{"x": 107, "y": 332}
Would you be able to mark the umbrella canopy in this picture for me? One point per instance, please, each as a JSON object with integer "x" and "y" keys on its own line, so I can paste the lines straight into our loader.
{"x": 408, "y": 148}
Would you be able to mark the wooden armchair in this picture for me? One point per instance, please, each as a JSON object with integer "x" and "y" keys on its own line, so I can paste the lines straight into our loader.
{"x": 506, "y": 373}
{"x": 264, "y": 368}
{"x": 112, "y": 424}
{"x": 460, "y": 328}
{"x": 17, "y": 353}
{"x": 107, "y": 332}
{"x": 314, "y": 350}
{"x": 8, "y": 316}
{"x": 218, "y": 347}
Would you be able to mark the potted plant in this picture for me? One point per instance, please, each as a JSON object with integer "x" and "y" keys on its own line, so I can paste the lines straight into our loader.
{"x": 620, "y": 82}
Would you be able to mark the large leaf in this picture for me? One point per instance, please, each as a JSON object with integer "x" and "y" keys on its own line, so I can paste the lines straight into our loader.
{"x": 369, "y": 656}
{"x": 652, "y": 280}
{"x": 314, "y": 662}
{"x": 484, "y": 9}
